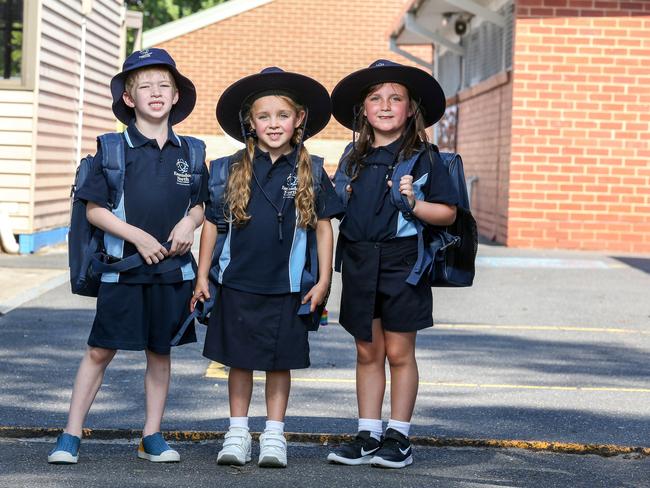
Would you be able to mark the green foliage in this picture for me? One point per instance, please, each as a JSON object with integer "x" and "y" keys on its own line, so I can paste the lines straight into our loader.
{"x": 158, "y": 12}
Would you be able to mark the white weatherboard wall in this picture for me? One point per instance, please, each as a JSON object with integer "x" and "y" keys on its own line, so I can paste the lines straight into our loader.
{"x": 58, "y": 95}
{"x": 16, "y": 156}
{"x": 39, "y": 123}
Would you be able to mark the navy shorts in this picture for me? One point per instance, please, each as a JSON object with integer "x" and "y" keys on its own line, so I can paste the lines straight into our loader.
{"x": 257, "y": 332}
{"x": 374, "y": 286}
{"x": 139, "y": 317}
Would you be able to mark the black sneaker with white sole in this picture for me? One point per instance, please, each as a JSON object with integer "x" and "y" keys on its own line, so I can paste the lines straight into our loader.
{"x": 359, "y": 451}
{"x": 395, "y": 451}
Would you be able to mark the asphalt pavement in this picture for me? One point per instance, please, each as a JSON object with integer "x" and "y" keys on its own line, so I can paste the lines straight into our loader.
{"x": 545, "y": 357}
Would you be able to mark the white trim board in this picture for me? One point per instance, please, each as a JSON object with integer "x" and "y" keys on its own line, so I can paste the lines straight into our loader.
{"x": 196, "y": 21}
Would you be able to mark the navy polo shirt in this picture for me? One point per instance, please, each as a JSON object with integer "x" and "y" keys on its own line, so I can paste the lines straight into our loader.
{"x": 370, "y": 215}
{"x": 156, "y": 196}
{"x": 254, "y": 259}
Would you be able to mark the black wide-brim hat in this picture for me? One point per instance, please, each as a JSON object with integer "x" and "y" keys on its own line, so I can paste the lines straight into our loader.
{"x": 153, "y": 57}
{"x": 302, "y": 89}
{"x": 423, "y": 88}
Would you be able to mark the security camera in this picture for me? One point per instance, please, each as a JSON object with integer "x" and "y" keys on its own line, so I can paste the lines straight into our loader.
{"x": 460, "y": 27}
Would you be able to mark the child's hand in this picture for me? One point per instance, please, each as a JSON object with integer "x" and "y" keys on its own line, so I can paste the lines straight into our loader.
{"x": 201, "y": 292}
{"x": 406, "y": 188}
{"x": 316, "y": 295}
{"x": 150, "y": 249}
{"x": 182, "y": 237}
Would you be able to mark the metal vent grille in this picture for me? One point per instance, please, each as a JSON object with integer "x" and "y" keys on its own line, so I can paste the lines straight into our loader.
{"x": 488, "y": 51}
{"x": 449, "y": 69}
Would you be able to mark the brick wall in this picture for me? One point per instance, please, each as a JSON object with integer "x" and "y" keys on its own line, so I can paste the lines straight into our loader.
{"x": 580, "y": 176}
{"x": 322, "y": 39}
{"x": 484, "y": 117}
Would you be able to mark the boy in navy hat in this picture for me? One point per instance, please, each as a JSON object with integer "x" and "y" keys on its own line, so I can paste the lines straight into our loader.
{"x": 162, "y": 201}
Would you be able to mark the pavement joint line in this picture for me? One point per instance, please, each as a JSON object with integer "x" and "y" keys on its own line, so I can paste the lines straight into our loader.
{"x": 562, "y": 328}
{"x": 12, "y": 303}
{"x": 217, "y": 371}
{"x": 605, "y": 450}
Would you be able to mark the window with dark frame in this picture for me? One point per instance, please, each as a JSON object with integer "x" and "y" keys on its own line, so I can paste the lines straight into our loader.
{"x": 11, "y": 30}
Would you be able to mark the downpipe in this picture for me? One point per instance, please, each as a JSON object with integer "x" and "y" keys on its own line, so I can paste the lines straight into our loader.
{"x": 9, "y": 244}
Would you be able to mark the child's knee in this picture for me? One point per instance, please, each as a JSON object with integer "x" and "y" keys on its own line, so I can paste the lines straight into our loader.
{"x": 399, "y": 356}
{"x": 159, "y": 361}
{"x": 371, "y": 355}
{"x": 100, "y": 356}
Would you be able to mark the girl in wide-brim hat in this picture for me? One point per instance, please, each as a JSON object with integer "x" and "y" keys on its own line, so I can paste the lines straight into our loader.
{"x": 275, "y": 265}
{"x": 388, "y": 106}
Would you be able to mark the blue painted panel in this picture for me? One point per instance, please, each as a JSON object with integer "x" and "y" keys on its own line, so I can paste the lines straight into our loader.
{"x": 29, "y": 243}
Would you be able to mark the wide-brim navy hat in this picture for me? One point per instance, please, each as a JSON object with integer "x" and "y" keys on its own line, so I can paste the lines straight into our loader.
{"x": 153, "y": 57}
{"x": 422, "y": 87}
{"x": 304, "y": 90}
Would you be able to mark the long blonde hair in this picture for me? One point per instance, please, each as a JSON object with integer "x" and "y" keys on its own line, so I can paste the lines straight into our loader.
{"x": 238, "y": 189}
{"x": 414, "y": 135}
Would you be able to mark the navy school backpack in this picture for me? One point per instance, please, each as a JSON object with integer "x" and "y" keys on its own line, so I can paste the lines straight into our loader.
{"x": 446, "y": 255}
{"x": 219, "y": 172}
{"x": 87, "y": 256}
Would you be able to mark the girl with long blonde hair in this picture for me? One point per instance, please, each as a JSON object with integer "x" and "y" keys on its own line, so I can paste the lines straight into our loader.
{"x": 275, "y": 264}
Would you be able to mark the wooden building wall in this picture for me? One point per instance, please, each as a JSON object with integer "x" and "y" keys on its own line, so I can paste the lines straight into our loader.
{"x": 58, "y": 96}
{"x": 16, "y": 155}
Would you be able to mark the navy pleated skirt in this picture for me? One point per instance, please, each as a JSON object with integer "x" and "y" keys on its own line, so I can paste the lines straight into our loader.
{"x": 257, "y": 332}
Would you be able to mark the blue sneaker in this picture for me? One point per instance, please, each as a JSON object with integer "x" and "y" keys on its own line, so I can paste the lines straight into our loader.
{"x": 66, "y": 450}
{"x": 154, "y": 448}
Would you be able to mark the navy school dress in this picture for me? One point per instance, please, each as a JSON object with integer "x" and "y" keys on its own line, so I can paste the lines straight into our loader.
{"x": 141, "y": 310}
{"x": 254, "y": 323}
{"x": 379, "y": 247}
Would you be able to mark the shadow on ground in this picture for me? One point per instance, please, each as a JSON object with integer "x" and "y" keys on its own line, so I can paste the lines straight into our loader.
{"x": 40, "y": 350}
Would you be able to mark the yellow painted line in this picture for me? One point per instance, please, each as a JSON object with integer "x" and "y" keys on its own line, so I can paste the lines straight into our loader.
{"x": 565, "y": 328}
{"x": 218, "y": 371}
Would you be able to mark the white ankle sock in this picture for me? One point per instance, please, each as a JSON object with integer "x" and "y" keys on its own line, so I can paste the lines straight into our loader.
{"x": 274, "y": 425}
{"x": 372, "y": 425}
{"x": 239, "y": 422}
{"x": 399, "y": 426}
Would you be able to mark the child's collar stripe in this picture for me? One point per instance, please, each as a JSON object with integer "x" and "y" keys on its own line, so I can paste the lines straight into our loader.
{"x": 128, "y": 138}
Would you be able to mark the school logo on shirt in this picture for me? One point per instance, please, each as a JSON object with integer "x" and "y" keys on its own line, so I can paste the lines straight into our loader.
{"x": 182, "y": 172}
{"x": 289, "y": 188}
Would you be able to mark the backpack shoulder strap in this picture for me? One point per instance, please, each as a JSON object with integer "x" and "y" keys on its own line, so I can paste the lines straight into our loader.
{"x": 197, "y": 161}
{"x": 309, "y": 278}
{"x": 219, "y": 172}
{"x": 317, "y": 171}
{"x": 113, "y": 164}
{"x": 405, "y": 167}
{"x": 341, "y": 179}
{"x": 402, "y": 168}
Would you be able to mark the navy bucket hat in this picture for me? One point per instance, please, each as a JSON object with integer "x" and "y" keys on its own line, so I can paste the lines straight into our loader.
{"x": 152, "y": 57}
{"x": 302, "y": 89}
{"x": 422, "y": 87}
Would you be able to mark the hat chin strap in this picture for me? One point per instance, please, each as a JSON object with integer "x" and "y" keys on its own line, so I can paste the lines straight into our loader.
{"x": 245, "y": 133}
{"x": 280, "y": 210}
{"x": 356, "y": 111}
